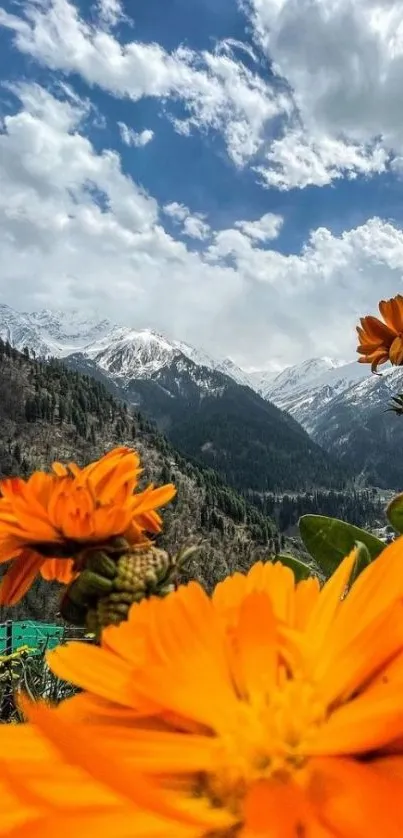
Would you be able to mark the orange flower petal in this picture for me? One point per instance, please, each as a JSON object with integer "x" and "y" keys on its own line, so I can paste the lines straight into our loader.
{"x": 94, "y": 669}
{"x": 276, "y": 809}
{"x": 150, "y": 500}
{"x": 19, "y": 577}
{"x": 190, "y": 661}
{"x": 94, "y": 710}
{"x": 256, "y": 644}
{"x": 353, "y": 659}
{"x": 392, "y": 313}
{"x": 366, "y": 724}
{"x": 374, "y": 330}
{"x": 60, "y": 470}
{"x": 61, "y": 570}
{"x": 396, "y": 352}
{"x": 305, "y": 599}
{"x": 120, "y": 823}
{"x": 354, "y": 800}
{"x": 78, "y": 746}
{"x": 376, "y": 589}
{"x": 319, "y": 626}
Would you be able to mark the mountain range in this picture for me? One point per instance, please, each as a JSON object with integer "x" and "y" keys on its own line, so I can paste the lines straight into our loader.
{"x": 319, "y": 422}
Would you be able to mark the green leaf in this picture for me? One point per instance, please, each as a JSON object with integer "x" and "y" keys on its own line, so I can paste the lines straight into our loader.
{"x": 394, "y": 513}
{"x": 300, "y": 569}
{"x": 364, "y": 558}
{"x": 329, "y": 540}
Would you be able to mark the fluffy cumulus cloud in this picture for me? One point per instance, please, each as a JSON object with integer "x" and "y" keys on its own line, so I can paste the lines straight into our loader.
{"x": 110, "y": 12}
{"x": 138, "y": 139}
{"x": 217, "y": 91}
{"x": 343, "y": 62}
{"x": 75, "y": 230}
{"x": 264, "y": 229}
{"x": 298, "y": 159}
{"x": 193, "y": 224}
{"x": 73, "y": 226}
{"x": 331, "y": 108}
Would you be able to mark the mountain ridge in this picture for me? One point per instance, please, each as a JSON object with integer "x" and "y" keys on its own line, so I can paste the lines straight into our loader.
{"x": 207, "y": 414}
{"x": 43, "y": 332}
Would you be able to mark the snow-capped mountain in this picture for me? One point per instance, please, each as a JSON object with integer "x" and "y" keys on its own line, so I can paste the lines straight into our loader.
{"x": 303, "y": 390}
{"x": 196, "y": 400}
{"x": 301, "y": 376}
{"x": 340, "y": 405}
{"x": 51, "y": 333}
{"x": 119, "y": 350}
{"x": 356, "y": 426}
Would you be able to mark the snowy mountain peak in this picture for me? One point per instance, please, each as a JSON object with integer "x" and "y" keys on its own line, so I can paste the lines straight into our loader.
{"x": 292, "y": 378}
{"x": 122, "y": 351}
{"x": 134, "y": 354}
{"x": 127, "y": 353}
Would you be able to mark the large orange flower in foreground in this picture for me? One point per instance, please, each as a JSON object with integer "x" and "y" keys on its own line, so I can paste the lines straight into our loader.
{"x": 382, "y": 341}
{"x": 55, "y": 515}
{"x": 272, "y": 709}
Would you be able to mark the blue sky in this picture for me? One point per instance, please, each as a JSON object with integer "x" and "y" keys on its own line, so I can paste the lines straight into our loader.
{"x": 228, "y": 174}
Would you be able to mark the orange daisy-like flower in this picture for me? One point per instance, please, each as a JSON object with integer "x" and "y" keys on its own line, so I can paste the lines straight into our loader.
{"x": 50, "y": 517}
{"x": 271, "y": 709}
{"x": 382, "y": 341}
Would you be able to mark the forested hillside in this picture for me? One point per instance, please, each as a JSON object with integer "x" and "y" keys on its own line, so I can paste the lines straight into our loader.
{"x": 225, "y": 426}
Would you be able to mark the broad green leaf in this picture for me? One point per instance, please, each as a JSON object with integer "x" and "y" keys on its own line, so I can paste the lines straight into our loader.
{"x": 329, "y": 540}
{"x": 394, "y": 513}
{"x": 300, "y": 569}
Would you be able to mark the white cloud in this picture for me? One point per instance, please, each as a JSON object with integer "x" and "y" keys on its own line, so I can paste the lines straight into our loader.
{"x": 299, "y": 160}
{"x": 193, "y": 224}
{"x": 176, "y": 211}
{"x": 73, "y": 227}
{"x": 75, "y": 231}
{"x": 195, "y": 227}
{"x": 265, "y": 228}
{"x": 133, "y": 138}
{"x": 343, "y": 59}
{"x": 232, "y": 45}
{"x": 217, "y": 91}
{"x": 110, "y": 12}
{"x": 331, "y": 111}
{"x": 343, "y": 62}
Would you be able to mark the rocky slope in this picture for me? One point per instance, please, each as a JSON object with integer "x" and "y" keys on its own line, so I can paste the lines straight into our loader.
{"x": 343, "y": 409}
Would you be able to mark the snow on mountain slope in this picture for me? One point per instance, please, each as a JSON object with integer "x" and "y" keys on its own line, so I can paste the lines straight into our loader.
{"x": 262, "y": 379}
{"x": 303, "y": 390}
{"x": 134, "y": 354}
{"x": 68, "y": 329}
{"x": 18, "y": 330}
{"x": 118, "y": 350}
{"x": 51, "y": 333}
{"x": 202, "y": 359}
{"x": 369, "y": 391}
{"x": 356, "y": 427}
{"x": 301, "y": 376}
{"x": 128, "y": 354}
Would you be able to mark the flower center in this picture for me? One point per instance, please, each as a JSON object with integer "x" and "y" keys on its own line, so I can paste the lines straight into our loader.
{"x": 270, "y": 741}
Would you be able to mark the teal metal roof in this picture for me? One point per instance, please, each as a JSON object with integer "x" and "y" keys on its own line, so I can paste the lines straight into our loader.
{"x": 30, "y": 633}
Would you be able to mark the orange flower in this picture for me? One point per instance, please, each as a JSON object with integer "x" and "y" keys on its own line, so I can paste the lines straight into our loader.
{"x": 271, "y": 709}
{"x": 381, "y": 342}
{"x": 50, "y": 517}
